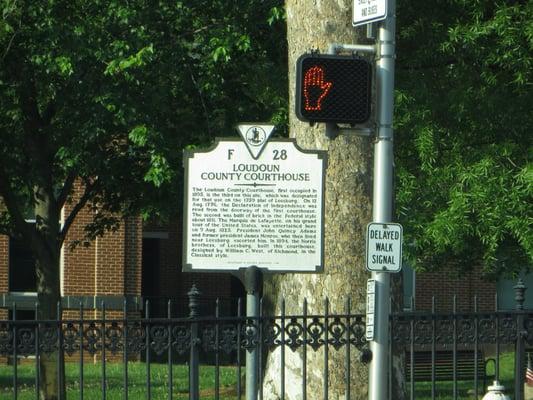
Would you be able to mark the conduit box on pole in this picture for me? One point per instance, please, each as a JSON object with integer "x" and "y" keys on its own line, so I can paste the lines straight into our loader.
{"x": 333, "y": 88}
{"x": 370, "y": 309}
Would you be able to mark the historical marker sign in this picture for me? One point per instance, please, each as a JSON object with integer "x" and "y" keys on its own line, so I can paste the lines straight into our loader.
{"x": 367, "y": 11}
{"x": 384, "y": 247}
{"x": 241, "y": 211}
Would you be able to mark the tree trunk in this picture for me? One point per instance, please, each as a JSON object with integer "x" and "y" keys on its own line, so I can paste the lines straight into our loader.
{"x": 50, "y": 364}
{"x": 47, "y": 250}
{"x": 311, "y": 26}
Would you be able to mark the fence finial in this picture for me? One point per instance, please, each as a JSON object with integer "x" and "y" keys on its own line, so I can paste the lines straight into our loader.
{"x": 194, "y": 304}
{"x": 520, "y": 290}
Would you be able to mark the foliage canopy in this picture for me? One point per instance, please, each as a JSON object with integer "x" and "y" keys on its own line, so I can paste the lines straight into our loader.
{"x": 464, "y": 143}
{"x": 109, "y": 93}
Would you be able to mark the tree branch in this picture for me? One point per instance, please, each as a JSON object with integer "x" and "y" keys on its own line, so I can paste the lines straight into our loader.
{"x": 13, "y": 208}
{"x": 29, "y": 106}
{"x": 8, "y": 47}
{"x": 200, "y": 95}
{"x": 90, "y": 188}
{"x": 412, "y": 67}
{"x": 65, "y": 190}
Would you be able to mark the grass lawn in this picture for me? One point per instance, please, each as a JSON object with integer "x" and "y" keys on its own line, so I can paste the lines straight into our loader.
{"x": 465, "y": 389}
{"x": 137, "y": 382}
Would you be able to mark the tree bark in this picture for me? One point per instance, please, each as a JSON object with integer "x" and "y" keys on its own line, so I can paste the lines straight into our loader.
{"x": 50, "y": 364}
{"x": 312, "y": 26}
{"x": 47, "y": 248}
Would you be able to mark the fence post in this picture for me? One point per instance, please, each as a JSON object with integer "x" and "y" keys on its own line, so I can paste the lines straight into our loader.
{"x": 194, "y": 381}
{"x": 125, "y": 351}
{"x": 520, "y": 289}
{"x": 61, "y": 353}
{"x": 15, "y": 357}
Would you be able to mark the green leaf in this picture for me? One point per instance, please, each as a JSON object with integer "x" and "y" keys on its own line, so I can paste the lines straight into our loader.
{"x": 139, "y": 135}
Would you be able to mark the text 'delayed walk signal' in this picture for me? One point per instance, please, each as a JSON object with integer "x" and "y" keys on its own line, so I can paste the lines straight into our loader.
{"x": 331, "y": 88}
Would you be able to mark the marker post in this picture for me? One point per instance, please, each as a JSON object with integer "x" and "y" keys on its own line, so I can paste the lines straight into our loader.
{"x": 253, "y": 283}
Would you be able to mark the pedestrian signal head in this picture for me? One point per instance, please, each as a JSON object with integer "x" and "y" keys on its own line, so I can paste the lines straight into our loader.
{"x": 331, "y": 88}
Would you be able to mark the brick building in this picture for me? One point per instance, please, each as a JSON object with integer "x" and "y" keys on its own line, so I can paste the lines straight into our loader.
{"x": 108, "y": 270}
{"x": 443, "y": 285}
{"x": 142, "y": 261}
{"x": 420, "y": 289}
{"x": 163, "y": 279}
{"x": 135, "y": 262}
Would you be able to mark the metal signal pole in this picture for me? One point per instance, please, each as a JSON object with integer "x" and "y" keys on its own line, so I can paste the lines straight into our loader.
{"x": 382, "y": 197}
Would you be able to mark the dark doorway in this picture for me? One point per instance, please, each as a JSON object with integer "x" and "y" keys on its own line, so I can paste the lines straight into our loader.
{"x": 150, "y": 268}
{"x": 22, "y": 277}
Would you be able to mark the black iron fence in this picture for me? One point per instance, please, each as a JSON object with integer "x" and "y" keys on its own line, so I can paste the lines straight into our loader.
{"x": 216, "y": 340}
{"x": 452, "y": 355}
{"x": 458, "y": 353}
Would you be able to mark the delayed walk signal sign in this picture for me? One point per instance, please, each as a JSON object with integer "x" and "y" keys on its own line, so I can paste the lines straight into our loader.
{"x": 333, "y": 88}
{"x": 384, "y": 247}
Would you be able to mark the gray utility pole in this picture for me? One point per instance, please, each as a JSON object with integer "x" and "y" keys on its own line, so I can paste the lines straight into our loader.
{"x": 382, "y": 198}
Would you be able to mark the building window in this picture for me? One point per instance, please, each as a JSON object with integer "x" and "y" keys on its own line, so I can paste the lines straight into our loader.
{"x": 22, "y": 315}
{"x": 409, "y": 286}
{"x": 22, "y": 276}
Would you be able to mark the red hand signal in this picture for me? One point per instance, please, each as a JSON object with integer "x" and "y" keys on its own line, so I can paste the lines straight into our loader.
{"x": 315, "y": 89}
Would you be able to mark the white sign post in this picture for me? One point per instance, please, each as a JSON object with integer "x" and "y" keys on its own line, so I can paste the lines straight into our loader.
{"x": 384, "y": 247}
{"x": 367, "y": 11}
{"x": 245, "y": 207}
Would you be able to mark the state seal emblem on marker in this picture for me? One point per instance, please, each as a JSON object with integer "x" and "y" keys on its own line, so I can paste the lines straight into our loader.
{"x": 255, "y": 136}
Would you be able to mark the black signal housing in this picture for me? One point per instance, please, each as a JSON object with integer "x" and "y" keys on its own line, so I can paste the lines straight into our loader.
{"x": 333, "y": 88}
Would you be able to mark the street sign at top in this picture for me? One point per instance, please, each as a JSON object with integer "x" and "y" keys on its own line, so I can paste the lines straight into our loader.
{"x": 367, "y": 11}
